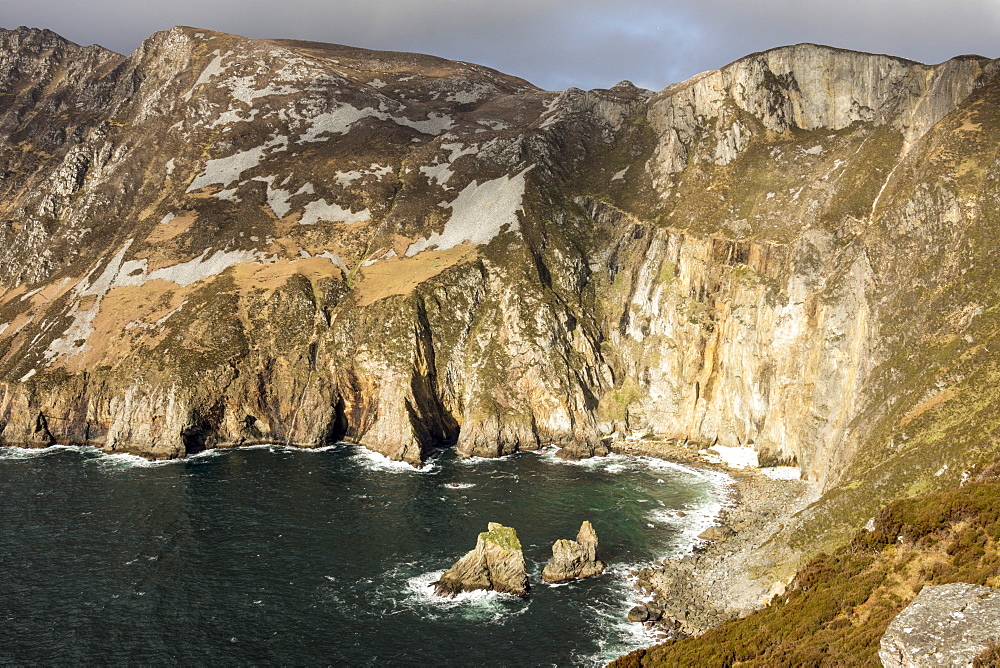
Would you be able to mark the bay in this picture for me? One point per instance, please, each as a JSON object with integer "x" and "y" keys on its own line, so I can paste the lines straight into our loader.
{"x": 280, "y": 555}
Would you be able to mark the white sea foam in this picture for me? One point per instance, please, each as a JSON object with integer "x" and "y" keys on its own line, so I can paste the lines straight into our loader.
{"x": 617, "y": 462}
{"x": 628, "y": 635}
{"x": 13, "y": 452}
{"x": 121, "y": 460}
{"x": 376, "y": 461}
{"x": 458, "y": 485}
{"x": 476, "y": 461}
{"x": 481, "y": 605}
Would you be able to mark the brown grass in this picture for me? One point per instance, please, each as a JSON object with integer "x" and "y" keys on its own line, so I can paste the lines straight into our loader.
{"x": 401, "y": 275}
{"x": 938, "y": 399}
{"x": 167, "y": 231}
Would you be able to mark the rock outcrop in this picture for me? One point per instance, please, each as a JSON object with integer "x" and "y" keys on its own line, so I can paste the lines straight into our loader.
{"x": 496, "y": 564}
{"x": 574, "y": 558}
{"x": 217, "y": 241}
{"x": 946, "y": 625}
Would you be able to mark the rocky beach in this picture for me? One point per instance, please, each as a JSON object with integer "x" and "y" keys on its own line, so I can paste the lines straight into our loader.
{"x": 734, "y": 568}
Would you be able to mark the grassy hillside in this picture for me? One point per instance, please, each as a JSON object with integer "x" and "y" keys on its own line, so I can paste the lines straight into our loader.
{"x": 840, "y": 604}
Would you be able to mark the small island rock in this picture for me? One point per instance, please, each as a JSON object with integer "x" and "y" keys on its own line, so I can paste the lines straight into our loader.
{"x": 496, "y": 564}
{"x": 574, "y": 559}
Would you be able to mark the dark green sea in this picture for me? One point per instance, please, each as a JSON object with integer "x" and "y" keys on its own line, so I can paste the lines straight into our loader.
{"x": 273, "y": 555}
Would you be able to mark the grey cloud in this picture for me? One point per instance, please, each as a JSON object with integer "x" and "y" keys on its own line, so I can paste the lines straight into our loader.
{"x": 552, "y": 43}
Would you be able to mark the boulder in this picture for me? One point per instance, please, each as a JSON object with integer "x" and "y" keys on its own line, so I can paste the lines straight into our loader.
{"x": 496, "y": 564}
{"x": 574, "y": 558}
{"x": 639, "y": 613}
{"x": 945, "y": 625}
{"x": 715, "y": 534}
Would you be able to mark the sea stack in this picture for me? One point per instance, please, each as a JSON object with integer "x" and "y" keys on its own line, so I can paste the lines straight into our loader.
{"x": 574, "y": 558}
{"x": 496, "y": 564}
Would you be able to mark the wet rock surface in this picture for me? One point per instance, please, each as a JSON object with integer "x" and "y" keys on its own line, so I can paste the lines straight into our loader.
{"x": 496, "y": 564}
{"x": 946, "y": 625}
{"x": 574, "y": 558}
{"x": 722, "y": 580}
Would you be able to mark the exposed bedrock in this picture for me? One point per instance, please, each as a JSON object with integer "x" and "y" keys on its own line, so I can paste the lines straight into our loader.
{"x": 574, "y": 558}
{"x": 496, "y": 564}
{"x": 219, "y": 241}
{"x": 945, "y": 625}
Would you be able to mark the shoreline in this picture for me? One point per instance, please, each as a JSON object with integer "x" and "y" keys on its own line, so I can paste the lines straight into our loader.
{"x": 730, "y": 571}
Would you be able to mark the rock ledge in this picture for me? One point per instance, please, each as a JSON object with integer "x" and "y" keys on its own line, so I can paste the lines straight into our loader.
{"x": 945, "y": 625}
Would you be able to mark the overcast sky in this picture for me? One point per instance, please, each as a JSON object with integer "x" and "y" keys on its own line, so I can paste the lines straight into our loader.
{"x": 552, "y": 43}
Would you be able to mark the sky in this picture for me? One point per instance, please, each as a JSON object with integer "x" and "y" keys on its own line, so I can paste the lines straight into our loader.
{"x": 554, "y": 44}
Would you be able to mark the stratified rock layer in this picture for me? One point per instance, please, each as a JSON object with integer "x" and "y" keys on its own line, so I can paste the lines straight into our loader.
{"x": 574, "y": 559}
{"x": 496, "y": 564}
{"x": 945, "y": 625}
{"x": 218, "y": 241}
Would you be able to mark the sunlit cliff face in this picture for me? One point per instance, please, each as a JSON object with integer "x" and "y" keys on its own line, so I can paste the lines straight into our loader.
{"x": 218, "y": 241}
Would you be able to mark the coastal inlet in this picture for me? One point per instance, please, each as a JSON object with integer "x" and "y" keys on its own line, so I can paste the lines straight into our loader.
{"x": 277, "y": 555}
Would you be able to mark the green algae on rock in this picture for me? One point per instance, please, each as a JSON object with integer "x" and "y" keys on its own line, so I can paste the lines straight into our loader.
{"x": 495, "y": 564}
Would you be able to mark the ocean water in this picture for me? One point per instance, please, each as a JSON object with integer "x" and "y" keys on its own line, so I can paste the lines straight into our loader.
{"x": 281, "y": 556}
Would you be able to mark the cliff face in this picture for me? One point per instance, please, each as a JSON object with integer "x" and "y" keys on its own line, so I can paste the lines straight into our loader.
{"x": 217, "y": 241}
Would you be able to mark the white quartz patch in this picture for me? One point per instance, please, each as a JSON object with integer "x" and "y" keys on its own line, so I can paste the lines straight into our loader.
{"x": 226, "y": 170}
{"x": 335, "y": 259}
{"x": 479, "y": 213}
{"x": 118, "y": 273}
{"x": 473, "y": 93}
{"x": 337, "y": 122}
{"x": 441, "y": 172}
{"x": 203, "y": 266}
{"x": 213, "y": 69}
{"x": 323, "y": 210}
{"x": 345, "y": 179}
{"x": 340, "y": 120}
{"x": 278, "y": 199}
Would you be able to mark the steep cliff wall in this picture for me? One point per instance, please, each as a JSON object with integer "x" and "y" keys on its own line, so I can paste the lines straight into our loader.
{"x": 249, "y": 241}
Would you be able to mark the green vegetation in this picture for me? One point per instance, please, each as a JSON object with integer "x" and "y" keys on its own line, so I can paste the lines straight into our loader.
{"x": 840, "y": 604}
{"x": 505, "y": 537}
{"x": 614, "y": 405}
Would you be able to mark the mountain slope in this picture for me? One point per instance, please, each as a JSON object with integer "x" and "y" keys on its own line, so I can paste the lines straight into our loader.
{"x": 217, "y": 241}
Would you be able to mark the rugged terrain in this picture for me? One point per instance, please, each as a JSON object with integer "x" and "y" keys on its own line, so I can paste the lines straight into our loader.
{"x": 218, "y": 241}
{"x": 843, "y": 607}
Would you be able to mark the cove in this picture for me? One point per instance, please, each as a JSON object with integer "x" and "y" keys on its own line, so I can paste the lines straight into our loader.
{"x": 279, "y": 555}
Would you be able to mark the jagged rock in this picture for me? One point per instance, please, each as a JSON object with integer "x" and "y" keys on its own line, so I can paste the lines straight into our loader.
{"x": 496, "y": 564}
{"x": 945, "y": 625}
{"x": 639, "y": 613}
{"x": 574, "y": 559}
{"x": 716, "y": 534}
